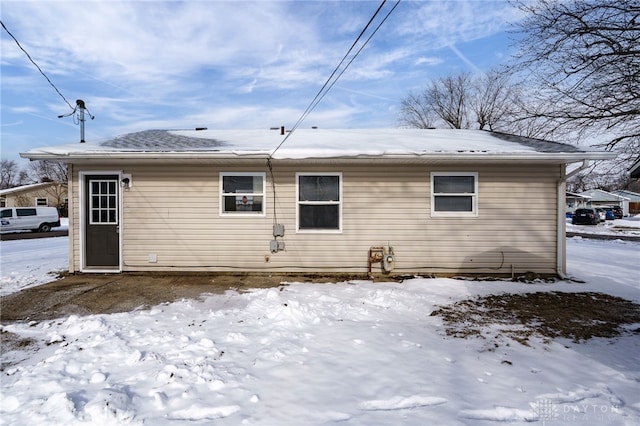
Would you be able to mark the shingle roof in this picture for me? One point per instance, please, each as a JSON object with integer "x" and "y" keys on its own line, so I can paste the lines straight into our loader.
{"x": 539, "y": 145}
{"x": 162, "y": 140}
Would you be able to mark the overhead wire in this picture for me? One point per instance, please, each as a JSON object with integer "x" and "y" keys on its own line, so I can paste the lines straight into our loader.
{"x": 331, "y": 81}
{"x": 36, "y": 65}
{"x": 351, "y": 60}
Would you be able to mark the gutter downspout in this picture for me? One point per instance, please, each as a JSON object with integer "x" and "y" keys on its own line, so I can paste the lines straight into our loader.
{"x": 561, "y": 249}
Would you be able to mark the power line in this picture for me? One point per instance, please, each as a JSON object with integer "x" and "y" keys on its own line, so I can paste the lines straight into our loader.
{"x": 353, "y": 58}
{"x": 331, "y": 81}
{"x": 34, "y": 63}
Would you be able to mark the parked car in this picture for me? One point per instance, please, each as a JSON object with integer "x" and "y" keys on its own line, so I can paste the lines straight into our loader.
{"x": 585, "y": 217}
{"x": 602, "y": 213}
{"x": 29, "y": 219}
{"x": 609, "y": 215}
{"x": 617, "y": 212}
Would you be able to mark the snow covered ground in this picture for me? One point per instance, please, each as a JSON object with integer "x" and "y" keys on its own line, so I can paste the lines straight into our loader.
{"x": 26, "y": 263}
{"x": 626, "y": 226}
{"x": 353, "y": 353}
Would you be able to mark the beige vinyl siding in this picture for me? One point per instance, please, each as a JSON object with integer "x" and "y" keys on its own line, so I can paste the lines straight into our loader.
{"x": 173, "y": 212}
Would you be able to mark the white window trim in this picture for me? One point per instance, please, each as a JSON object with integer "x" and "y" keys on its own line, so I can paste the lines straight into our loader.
{"x": 474, "y": 196}
{"x": 91, "y": 207}
{"x": 46, "y": 201}
{"x": 338, "y": 203}
{"x": 263, "y": 213}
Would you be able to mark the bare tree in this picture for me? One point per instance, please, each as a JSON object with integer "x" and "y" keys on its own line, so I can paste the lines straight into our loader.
{"x": 492, "y": 99}
{"x": 8, "y": 174}
{"x": 584, "y": 58}
{"x": 449, "y": 99}
{"x": 48, "y": 171}
{"x": 444, "y": 101}
{"x": 457, "y": 101}
{"x": 416, "y": 112}
{"x": 528, "y": 117}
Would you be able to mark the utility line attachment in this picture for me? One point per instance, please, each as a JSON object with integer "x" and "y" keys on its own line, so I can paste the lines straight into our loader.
{"x": 79, "y": 118}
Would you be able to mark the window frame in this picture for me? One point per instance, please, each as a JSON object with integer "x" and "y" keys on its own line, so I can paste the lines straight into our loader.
{"x": 100, "y": 208}
{"x": 222, "y": 194}
{"x": 474, "y": 196}
{"x": 338, "y": 203}
{"x": 26, "y": 211}
{"x": 43, "y": 199}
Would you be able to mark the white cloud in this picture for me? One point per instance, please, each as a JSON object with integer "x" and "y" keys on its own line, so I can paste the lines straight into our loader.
{"x": 24, "y": 110}
{"x": 464, "y": 59}
{"x": 422, "y": 60}
{"x": 255, "y": 64}
{"x": 437, "y": 24}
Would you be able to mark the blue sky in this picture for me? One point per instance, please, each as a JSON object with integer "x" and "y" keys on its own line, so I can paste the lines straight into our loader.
{"x": 229, "y": 64}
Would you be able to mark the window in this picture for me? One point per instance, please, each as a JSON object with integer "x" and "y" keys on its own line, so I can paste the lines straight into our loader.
{"x": 103, "y": 196}
{"x": 3, "y": 202}
{"x": 454, "y": 194}
{"x": 242, "y": 193}
{"x": 319, "y": 202}
{"x": 26, "y": 212}
{"x": 41, "y": 202}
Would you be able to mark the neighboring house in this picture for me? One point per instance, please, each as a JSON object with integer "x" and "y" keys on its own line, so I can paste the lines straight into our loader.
{"x": 600, "y": 198}
{"x": 51, "y": 194}
{"x": 576, "y": 201}
{"x": 399, "y": 201}
{"x": 634, "y": 200}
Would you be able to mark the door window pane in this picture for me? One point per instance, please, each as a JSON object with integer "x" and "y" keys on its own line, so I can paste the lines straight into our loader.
{"x": 103, "y": 202}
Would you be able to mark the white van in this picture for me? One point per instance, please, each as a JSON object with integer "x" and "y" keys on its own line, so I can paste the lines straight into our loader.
{"x": 36, "y": 219}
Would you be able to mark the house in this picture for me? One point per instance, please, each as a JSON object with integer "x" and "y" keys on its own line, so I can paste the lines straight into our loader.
{"x": 52, "y": 194}
{"x": 395, "y": 201}
{"x": 576, "y": 201}
{"x": 634, "y": 201}
{"x": 600, "y": 198}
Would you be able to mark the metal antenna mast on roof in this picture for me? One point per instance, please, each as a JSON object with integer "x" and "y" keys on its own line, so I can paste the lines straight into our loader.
{"x": 80, "y": 108}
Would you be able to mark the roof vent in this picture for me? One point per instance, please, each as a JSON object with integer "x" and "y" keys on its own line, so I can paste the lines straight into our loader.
{"x": 281, "y": 128}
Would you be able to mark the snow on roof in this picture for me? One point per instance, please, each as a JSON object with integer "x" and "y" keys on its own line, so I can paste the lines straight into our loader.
{"x": 316, "y": 143}
{"x": 26, "y": 187}
{"x": 574, "y": 195}
{"x": 599, "y": 195}
{"x": 632, "y": 196}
